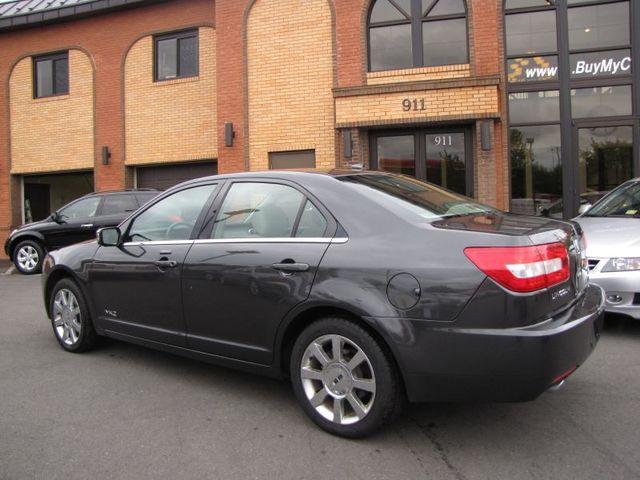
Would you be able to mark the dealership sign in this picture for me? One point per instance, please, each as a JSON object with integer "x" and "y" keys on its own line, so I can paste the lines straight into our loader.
{"x": 583, "y": 65}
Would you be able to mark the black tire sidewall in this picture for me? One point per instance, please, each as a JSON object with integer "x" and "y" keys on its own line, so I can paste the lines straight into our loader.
{"x": 387, "y": 384}
{"x": 38, "y": 248}
{"x": 87, "y": 332}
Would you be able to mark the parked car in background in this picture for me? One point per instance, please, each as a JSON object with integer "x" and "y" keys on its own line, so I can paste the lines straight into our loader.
{"x": 555, "y": 210}
{"x": 363, "y": 288}
{"x": 75, "y": 222}
{"x": 612, "y": 228}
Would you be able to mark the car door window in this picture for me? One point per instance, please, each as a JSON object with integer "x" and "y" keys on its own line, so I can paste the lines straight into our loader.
{"x": 84, "y": 208}
{"x": 312, "y": 223}
{"x": 261, "y": 210}
{"x": 172, "y": 218}
{"x": 118, "y": 204}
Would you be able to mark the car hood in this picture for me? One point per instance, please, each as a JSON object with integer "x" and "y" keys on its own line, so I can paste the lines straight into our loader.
{"x": 611, "y": 237}
{"x": 32, "y": 225}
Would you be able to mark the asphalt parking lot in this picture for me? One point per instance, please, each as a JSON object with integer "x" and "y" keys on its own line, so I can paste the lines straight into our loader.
{"x": 128, "y": 412}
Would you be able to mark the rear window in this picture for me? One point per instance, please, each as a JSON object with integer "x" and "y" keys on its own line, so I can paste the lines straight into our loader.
{"x": 118, "y": 204}
{"x": 413, "y": 199}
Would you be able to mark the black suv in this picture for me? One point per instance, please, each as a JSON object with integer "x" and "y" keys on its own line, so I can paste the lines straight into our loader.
{"x": 76, "y": 222}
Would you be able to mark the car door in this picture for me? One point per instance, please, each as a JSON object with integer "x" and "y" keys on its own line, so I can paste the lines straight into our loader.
{"x": 135, "y": 287}
{"x": 74, "y": 223}
{"x": 255, "y": 260}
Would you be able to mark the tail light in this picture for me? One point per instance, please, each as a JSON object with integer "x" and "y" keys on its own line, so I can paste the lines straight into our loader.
{"x": 523, "y": 269}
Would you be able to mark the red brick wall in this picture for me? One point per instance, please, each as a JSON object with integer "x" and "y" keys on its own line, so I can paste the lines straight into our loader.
{"x": 106, "y": 38}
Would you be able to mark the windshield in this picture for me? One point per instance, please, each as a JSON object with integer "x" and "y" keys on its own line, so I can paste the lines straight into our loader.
{"x": 408, "y": 197}
{"x": 623, "y": 202}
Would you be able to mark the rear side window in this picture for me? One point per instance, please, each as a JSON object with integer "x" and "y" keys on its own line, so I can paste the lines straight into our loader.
{"x": 260, "y": 210}
{"x": 145, "y": 197}
{"x": 312, "y": 223}
{"x": 118, "y": 204}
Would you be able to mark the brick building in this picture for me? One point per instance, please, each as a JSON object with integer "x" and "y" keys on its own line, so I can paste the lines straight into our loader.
{"x": 523, "y": 104}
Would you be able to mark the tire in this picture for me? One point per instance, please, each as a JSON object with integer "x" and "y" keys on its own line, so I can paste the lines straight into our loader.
{"x": 28, "y": 256}
{"x": 70, "y": 318}
{"x": 353, "y": 396}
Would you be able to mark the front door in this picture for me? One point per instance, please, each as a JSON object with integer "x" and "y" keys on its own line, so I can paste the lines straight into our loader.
{"x": 439, "y": 156}
{"x": 76, "y": 223}
{"x": 136, "y": 287}
{"x": 256, "y": 261}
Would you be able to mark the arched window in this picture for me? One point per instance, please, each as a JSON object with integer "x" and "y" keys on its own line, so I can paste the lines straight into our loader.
{"x": 417, "y": 33}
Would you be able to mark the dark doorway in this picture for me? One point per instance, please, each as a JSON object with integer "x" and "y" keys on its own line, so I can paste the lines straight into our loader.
{"x": 37, "y": 203}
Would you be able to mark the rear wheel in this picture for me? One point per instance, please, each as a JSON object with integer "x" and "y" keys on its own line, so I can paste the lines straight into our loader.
{"x": 344, "y": 379}
{"x": 70, "y": 317}
{"x": 28, "y": 256}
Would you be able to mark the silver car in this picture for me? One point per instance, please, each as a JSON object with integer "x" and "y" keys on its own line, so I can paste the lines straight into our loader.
{"x": 612, "y": 228}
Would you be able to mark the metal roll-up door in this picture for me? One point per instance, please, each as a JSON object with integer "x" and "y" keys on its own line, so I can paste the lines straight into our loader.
{"x": 162, "y": 177}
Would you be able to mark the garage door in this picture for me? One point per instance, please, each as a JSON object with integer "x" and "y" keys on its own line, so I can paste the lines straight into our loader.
{"x": 166, "y": 176}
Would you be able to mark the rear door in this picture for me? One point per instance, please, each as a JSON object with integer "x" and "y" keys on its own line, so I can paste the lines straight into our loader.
{"x": 115, "y": 207}
{"x": 255, "y": 260}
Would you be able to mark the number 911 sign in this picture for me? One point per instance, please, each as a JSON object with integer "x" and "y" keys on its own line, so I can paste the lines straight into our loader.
{"x": 413, "y": 105}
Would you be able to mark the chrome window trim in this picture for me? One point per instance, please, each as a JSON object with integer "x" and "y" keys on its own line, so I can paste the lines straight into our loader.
{"x": 204, "y": 241}
{"x": 326, "y": 240}
{"x": 157, "y": 242}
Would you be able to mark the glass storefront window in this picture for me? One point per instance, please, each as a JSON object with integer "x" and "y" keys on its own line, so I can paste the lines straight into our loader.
{"x": 532, "y": 69}
{"x": 601, "y": 101}
{"x": 397, "y": 154}
{"x": 532, "y": 107}
{"x": 446, "y": 165}
{"x": 536, "y": 168}
{"x": 599, "y": 26}
{"x": 605, "y": 157}
{"x": 390, "y": 47}
{"x": 445, "y": 42}
{"x": 601, "y": 64}
{"x": 531, "y": 33}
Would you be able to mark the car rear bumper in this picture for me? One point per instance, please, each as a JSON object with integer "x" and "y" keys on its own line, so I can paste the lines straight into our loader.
{"x": 444, "y": 363}
{"x": 622, "y": 291}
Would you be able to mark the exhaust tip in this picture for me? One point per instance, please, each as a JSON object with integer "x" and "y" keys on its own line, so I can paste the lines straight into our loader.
{"x": 557, "y": 387}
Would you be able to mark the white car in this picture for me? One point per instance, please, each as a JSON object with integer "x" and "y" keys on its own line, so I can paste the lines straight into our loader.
{"x": 612, "y": 228}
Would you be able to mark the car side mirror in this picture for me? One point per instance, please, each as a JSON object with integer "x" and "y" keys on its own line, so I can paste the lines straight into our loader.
{"x": 55, "y": 216}
{"x": 584, "y": 208}
{"x": 109, "y": 237}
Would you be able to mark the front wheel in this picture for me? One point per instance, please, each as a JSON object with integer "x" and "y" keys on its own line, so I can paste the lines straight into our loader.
{"x": 346, "y": 383}
{"x": 28, "y": 256}
{"x": 70, "y": 317}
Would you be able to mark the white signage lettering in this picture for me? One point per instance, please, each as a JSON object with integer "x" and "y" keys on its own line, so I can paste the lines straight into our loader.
{"x": 606, "y": 65}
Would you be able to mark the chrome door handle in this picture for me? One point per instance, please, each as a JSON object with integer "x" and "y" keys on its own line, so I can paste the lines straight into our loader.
{"x": 166, "y": 264}
{"x": 291, "y": 267}
{"x": 87, "y": 225}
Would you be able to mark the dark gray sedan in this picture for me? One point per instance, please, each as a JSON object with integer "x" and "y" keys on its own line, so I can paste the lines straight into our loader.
{"x": 364, "y": 288}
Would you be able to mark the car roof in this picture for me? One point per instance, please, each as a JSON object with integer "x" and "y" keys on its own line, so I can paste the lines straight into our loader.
{"x": 292, "y": 175}
{"x": 120, "y": 192}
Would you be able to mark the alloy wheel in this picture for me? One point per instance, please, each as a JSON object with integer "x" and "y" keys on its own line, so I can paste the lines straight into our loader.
{"x": 28, "y": 258}
{"x": 67, "y": 319}
{"x": 338, "y": 379}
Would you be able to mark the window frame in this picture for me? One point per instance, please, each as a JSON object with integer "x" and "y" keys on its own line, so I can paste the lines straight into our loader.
{"x": 63, "y": 55}
{"x": 565, "y": 83}
{"x": 212, "y": 213}
{"x": 416, "y": 23}
{"x": 179, "y": 35}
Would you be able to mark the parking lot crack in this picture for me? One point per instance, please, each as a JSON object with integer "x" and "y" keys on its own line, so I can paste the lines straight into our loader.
{"x": 429, "y": 432}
